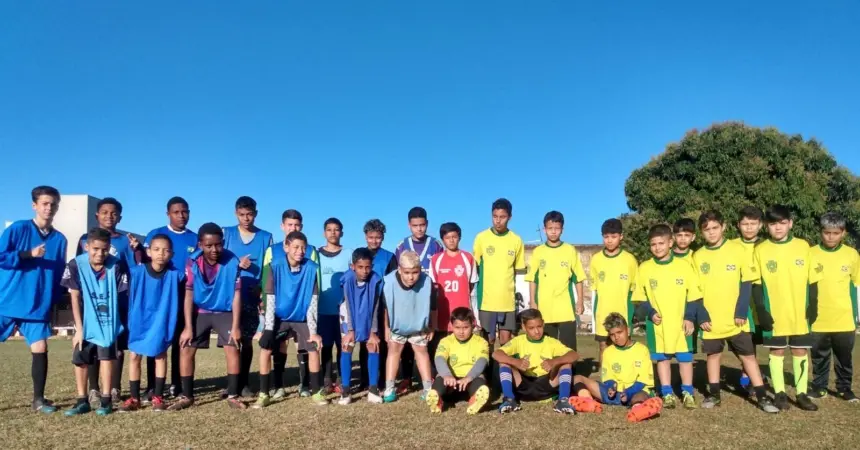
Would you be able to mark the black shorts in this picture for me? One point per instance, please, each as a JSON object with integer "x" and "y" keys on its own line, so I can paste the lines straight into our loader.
{"x": 90, "y": 353}
{"x": 796, "y": 341}
{"x": 563, "y": 331}
{"x": 535, "y": 388}
{"x": 758, "y": 336}
{"x": 449, "y": 395}
{"x": 503, "y": 320}
{"x": 297, "y": 331}
{"x": 740, "y": 344}
{"x": 204, "y": 323}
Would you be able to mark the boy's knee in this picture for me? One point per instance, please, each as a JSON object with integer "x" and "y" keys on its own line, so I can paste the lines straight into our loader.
{"x": 419, "y": 349}
{"x": 39, "y": 346}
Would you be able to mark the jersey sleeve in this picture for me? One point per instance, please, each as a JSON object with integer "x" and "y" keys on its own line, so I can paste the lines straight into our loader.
{"x": 592, "y": 274}
{"x": 559, "y": 349}
{"x": 638, "y": 287}
{"x": 122, "y": 275}
{"x": 473, "y": 278}
{"x": 855, "y": 276}
{"x": 756, "y": 265}
{"x": 442, "y": 351}
{"x": 70, "y": 278}
{"x": 531, "y": 269}
{"x": 644, "y": 369}
{"x": 577, "y": 270}
{"x": 189, "y": 275}
{"x": 520, "y": 263}
{"x": 477, "y": 248}
{"x": 816, "y": 269}
{"x": 432, "y": 272}
{"x": 511, "y": 348}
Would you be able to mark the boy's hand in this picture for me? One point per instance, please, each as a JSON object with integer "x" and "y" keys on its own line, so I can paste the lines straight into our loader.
{"x": 185, "y": 337}
{"x": 580, "y": 307}
{"x": 548, "y": 364}
{"x": 523, "y": 364}
{"x": 132, "y": 241}
{"x": 611, "y": 392}
{"x": 373, "y": 339}
{"x": 740, "y": 322}
{"x": 623, "y": 398}
{"x": 245, "y": 262}
{"x": 316, "y": 339}
{"x": 462, "y": 383}
{"x": 706, "y": 326}
{"x": 450, "y": 381}
{"x": 38, "y": 251}
{"x": 688, "y": 328}
{"x": 77, "y": 341}
{"x": 236, "y": 337}
{"x": 347, "y": 341}
{"x": 657, "y": 319}
{"x": 429, "y": 335}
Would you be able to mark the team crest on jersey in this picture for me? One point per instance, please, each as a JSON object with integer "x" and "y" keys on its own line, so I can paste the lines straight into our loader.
{"x": 623, "y": 276}
{"x": 112, "y": 250}
{"x": 616, "y": 368}
{"x": 799, "y": 262}
{"x": 491, "y": 250}
{"x": 190, "y": 250}
{"x": 637, "y": 364}
{"x": 512, "y": 253}
{"x": 679, "y": 281}
{"x": 453, "y": 359}
{"x": 565, "y": 264}
{"x": 601, "y": 276}
{"x": 731, "y": 267}
{"x": 705, "y": 268}
{"x": 819, "y": 268}
{"x": 771, "y": 266}
{"x": 459, "y": 270}
{"x": 653, "y": 283}
{"x": 846, "y": 268}
{"x": 542, "y": 264}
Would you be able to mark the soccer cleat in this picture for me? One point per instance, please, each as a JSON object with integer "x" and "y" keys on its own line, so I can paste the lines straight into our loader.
{"x": 337, "y": 389}
{"x": 77, "y": 410}
{"x": 223, "y": 394}
{"x": 132, "y": 404}
{"x": 509, "y": 405}
{"x": 404, "y": 387}
{"x": 389, "y": 395}
{"x": 767, "y": 406}
{"x": 689, "y": 400}
{"x": 670, "y": 401}
{"x": 423, "y": 395}
{"x": 433, "y": 401}
{"x": 645, "y": 410}
{"x": 247, "y": 392}
{"x": 344, "y": 400}
{"x": 158, "y": 404}
{"x": 711, "y": 402}
{"x": 95, "y": 396}
{"x": 115, "y": 395}
{"x": 319, "y": 399}
{"x": 586, "y": 405}
{"x": 848, "y": 396}
{"x": 43, "y": 406}
{"x": 182, "y": 403}
{"x": 146, "y": 398}
{"x": 279, "y": 394}
{"x": 804, "y": 403}
{"x": 477, "y": 402}
{"x": 236, "y": 403}
{"x": 104, "y": 410}
{"x": 563, "y": 406}
{"x": 374, "y": 398}
{"x": 780, "y": 400}
{"x": 304, "y": 392}
{"x": 263, "y": 401}
{"x": 817, "y": 393}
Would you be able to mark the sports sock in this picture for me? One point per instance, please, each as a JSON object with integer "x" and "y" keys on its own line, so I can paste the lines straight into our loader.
{"x": 760, "y": 392}
{"x": 188, "y": 386}
{"x": 714, "y": 389}
{"x": 39, "y": 372}
{"x": 93, "y": 376}
{"x": 232, "y": 384}
{"x": 304, "y": 370}
{"x": 373, "y": 371}
{"x": 315, "y": 381}
{"x": 687, "y": 388}
{"x": 506, "y": 377}
{"x": 800, "y": 364}
{"x": 345, "y": 370}
{"x": 279, "y": 360}
{"x": 776, "y": 374}
{"x": 134, "y": 387}
{"x": 389, "y": 384}
{"x": 158, "y": 391}
{"x": 564, "y": 377}
{"x": 427, "y": 384}
{"x": 666, "y": 390}
{"x": 116, "y": 372}
{"x": 264, "y": 384}
{"x": 105, "y": 401}
{"x": 246, "y": 356}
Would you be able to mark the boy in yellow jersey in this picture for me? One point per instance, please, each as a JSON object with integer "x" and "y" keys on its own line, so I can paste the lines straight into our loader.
{"x": 500, "y": 255}
{"x": 626, "y": 379}
{"x": 613, "y": 274}
{"x": 671, "y": 296}
{"x": 535, "y": 367}
{"x": 684, "y": 232}
{"x": 789, "y": 282}
{"x": 749, "y": 227}
{"x": 460, "y": 360}
{"x": 554, "y": 270}
{"x": 836, "y": 319}
{"x": 726, "y": 274}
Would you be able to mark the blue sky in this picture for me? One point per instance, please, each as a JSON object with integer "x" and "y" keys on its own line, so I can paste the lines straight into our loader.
{"x": 365, "y": 109}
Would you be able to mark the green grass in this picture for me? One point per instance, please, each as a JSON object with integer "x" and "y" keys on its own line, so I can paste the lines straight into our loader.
{"x": 407, "y": 423}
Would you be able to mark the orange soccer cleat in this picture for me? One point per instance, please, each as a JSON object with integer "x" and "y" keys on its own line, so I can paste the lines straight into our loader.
{"x": 586, "y": 405}
{"x": 645, "y": 410}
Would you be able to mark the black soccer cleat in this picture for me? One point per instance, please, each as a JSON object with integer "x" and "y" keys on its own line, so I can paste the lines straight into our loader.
{"x": 780, "y": 400}
{"x": 805, "y": 403}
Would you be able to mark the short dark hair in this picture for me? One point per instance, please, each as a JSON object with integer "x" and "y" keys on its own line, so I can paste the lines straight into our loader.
{"x": 161, "y": 237}
{"x": 530, "y": 314}
{"x": 176, "y": 201}
{"x": 710, "y": 216}
{"x": 684, "y": 224}
{"x": 39, "y": 191}
{"x": 750, "y": 212}
{"x": 296, "y": 235}
{"x": 659, "y": 230}
{"x": 417, "y": 213}
{"x": 777, "y": 213}
{"x": 98, "y": 234}
{"x": 614, "y": 320}
{"x": 374, "y": 225}
{"x": 449, "y": 227}
{"x": 333, "y": 220}
{"x": 291, "y": 214}
{"x": 362, "y": 253}
{"x": 245, "y": 202}
{"x": 463, "y": 314}
{"x": 209, "y": 229}
{"x": 612, "y": 226}
{"x": 553, "y": 216}
{"x": 109, "y": 201}
{"x": 504, "y": 204}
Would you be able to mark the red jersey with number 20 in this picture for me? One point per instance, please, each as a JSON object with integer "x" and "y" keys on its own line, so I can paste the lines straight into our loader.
{"x": 454, "y": 275}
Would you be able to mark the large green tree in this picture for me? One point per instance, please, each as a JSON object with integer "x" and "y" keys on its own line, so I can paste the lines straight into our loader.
{"x": 731, "y": 165}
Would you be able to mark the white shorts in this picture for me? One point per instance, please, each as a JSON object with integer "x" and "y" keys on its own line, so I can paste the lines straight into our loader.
{"x": 419, "y": 339}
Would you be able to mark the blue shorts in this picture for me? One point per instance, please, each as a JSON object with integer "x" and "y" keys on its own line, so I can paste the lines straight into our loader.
{"x": 32, "y": 330}
{"x": 682, "y": 357}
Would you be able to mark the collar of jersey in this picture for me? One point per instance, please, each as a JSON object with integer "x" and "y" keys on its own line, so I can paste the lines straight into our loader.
{"x": 717, "y": 247}
{"x": 613, "y": 256}
{"x": 663, "y": 263}
{"x": 466, "y": 341}
{"x": 535, "y": 341}
{"x": 749, "y": 242}
{"x": 560, "y": 243}
{"x": 790, "y": 237}
{"x": 674, "y": 253}
{"x": 493, "y": 230}
{"x": 629, "y": 346}
{"x": 834, "y": 249}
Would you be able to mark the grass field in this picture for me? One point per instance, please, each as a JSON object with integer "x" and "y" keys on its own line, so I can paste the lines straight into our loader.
{"x": 296, "y": 423}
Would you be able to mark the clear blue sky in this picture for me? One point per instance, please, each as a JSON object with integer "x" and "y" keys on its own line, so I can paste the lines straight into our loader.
{"x": 365, "y": 109}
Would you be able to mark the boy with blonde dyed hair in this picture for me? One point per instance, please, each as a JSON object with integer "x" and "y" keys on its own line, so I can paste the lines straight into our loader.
{"x": 410, "y": 303}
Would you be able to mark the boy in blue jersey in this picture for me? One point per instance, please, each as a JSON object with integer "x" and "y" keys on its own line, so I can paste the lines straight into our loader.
{"x": 213, "y": 301}
{"x": 249, "y": 243}
{"x": 384, "y": 263}
{"x": 334, "y": 262}
{"x": 359, "y": 313}
{"x": 292, "y": 298}
{"x": 153, "y": 305}
{"x": 95, "y": 281}
{"x": 184, "y": 244}
{"x": 32, "y": 257}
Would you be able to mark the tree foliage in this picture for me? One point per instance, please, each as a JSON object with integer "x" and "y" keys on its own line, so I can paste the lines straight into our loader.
{"x": 731, "y": 165}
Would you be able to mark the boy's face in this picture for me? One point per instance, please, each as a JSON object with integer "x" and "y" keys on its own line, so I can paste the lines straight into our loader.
{"x": 683, "y": 239}
{"x": 295, "y": 250}
{"x": 462, "y": 329}
{"x": 160, "y": 251}
{"x": 611, "y": 241}
{"x": 749, "y": 228}
{"x": 178, "y": 215}
{"x": 661, "y": 246}
{"x": 534, "y": 329}
{"x": 778, "y": 231}
{"x": 374, "y": 240}
{"x": 332, "y": 234}
{"x": 500, "y": 220}
{"x": 451, "y": 241}
{"x": 362, "y": 269}
{"x": 98, "y": 251}
{"x": 212, "y": 246}
{"x": 418, "y": 227}
{"x": 291, "y": 225}
{"x": 46, "y": 207}
{"x": 619, "y": 336}
{"x": 832, "y": 237}
{"x": 107, "y": 216}
{"x": 246, "y": 217}
{"x": 712, "y": 232}
{"x": 409, "y": 276}
{"x": 553, "y": 231}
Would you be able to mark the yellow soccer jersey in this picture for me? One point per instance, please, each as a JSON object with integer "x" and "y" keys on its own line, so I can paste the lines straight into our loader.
{"x": 535, "y": 351}
{"x": 787, "y": 269}
{"x": 612, "y": 279}
{"x": 685, "y": 256}
{"x": 555, "y": 270}
{"x": 498, "y": 256}
{"x": 668, "y": 285}
{"x": 721, "y": 271}
{"x": 461, "y": 356}
{"x": 837, "y": 290}
{"x": 627, "y": 365}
